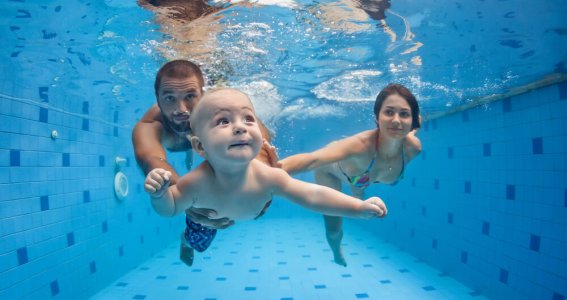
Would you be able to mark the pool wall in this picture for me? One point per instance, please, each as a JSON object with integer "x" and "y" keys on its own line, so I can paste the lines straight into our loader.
{"x": 63, "y": 233}
{"x": 486, "y": 201}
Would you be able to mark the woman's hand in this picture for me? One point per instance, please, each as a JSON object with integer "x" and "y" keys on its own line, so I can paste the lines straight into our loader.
{"x": 203, "y": 216}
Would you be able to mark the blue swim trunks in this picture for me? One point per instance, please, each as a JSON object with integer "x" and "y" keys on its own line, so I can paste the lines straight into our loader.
{"x": 197, "y": 236}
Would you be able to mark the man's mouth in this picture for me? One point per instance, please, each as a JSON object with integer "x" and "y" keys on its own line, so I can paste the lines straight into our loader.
{"x": 181, "y": 118}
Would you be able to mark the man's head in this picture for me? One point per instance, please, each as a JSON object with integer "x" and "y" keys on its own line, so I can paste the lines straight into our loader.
{"x": 178, "y": 87}
{"x": 225, "y": 127}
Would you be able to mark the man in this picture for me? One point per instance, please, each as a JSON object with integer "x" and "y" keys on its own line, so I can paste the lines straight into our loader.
{"x": 178, "y": 87}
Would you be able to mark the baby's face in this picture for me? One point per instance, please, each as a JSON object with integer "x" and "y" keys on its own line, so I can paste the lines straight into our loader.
{"x": 227, "y": 127}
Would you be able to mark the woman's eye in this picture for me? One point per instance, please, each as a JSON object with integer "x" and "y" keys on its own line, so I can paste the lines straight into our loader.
{"x": 405, "y": 114}
{"x": 389, "y": 113}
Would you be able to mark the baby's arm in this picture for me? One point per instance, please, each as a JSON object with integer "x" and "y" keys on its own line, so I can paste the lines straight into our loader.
{"x": 168, "y": 200}
{"x": 325, "y": 200}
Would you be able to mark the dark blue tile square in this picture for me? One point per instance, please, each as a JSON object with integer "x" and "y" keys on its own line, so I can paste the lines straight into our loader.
{"x": 139, "y": 297}
{"x": 562, "y": 90}
{"x": 85, "y": 107}
{"x": 557, "y": 296}
{"x": 465, "y": 116}
{"x": 121, "y": 251}
{"x": 450, "y": 218}
{"x": 14, "y": 158}
{"x": 54, "y": 288}
{"x": 428, "y": 288}
{"x": 70, "y": 239}
{"x": 436, "y": 184}
{"x": 104, "y": 226}
{"x": 122, "y": 284}
{"x": 535, "y": 242}
{"x": 101, "y": 161}
{"x": 66, "y": 159}
{"x": 115, "y": 116}
{"x": 161, "y": 277}
{"x": 510, "y": 192}
{"x": 86, "y": 196}
{"x": 283, "y": 278}
{"x": 141, "y": 239}
{"x": 22, "y": 255}
{"x": 221, "y": 279}
{"x": 385, "y": 281}
{"x": 361, "y": 296}
{"x": 413, "y": 182}
{"x": 253, "y": 270}
{"x": 450, "y": 152}
{"x": 537, "y": 145}
{"x": 43, "y": 93}
{"x": 250, "y": 288}
{"x": 424, "y": 211}
{"x": 286, "y": 298}
{"x": 506, "y": 105}
{"x": 43, "y": 116}
{"x": 196, "y": 270}
{"x": 44, "y": 202}
{"x": 320, "y": 286}
{"x": 115, "y": 131}
{"x": 403, "y": 270}
{"x": 182, "y": 288}
{"x": 346, "y": 276}
{"x": 434, "y": 124}
{"x": 503, "y": 276}
{"x": 367, "y": 266}
{"x": 434, "y": 243}
{"x": 464, "y": 257}
{"x": 129, "y": 217}
{"x": 486, "y": 151}
{"x": 92, "y": 267}
{"x": 85, "y": 126}
{"x": 467, "y": 187}
{"x": 485, "y": 228}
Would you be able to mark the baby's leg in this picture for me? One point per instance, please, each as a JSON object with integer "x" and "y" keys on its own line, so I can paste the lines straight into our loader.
{"x": 333, "y": 224}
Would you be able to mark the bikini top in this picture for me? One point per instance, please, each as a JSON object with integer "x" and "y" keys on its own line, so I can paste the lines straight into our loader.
{"x": 362, "y": 181}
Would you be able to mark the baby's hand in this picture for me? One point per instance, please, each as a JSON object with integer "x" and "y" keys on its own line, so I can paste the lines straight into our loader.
{"x": 157, "y": 182}
{"x": 374, "y": 207}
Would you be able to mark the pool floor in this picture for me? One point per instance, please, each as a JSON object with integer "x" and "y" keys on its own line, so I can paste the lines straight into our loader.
{"x": 287, "y": 259}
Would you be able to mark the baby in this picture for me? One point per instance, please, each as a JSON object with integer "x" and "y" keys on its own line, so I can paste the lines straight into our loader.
{"x": 233, "y": 183}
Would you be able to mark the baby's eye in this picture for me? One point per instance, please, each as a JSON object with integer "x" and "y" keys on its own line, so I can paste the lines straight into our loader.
{"x": 222, "y": 121}
{"x": 250, "y": 119}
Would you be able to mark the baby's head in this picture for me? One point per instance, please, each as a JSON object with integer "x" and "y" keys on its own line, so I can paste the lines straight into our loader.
{"x": 225, "y": 127}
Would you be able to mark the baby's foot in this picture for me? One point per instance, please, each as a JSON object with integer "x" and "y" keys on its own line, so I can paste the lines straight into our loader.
{"x": 186, "y": 253}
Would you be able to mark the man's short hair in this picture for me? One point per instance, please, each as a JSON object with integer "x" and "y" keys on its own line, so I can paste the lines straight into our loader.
{"x": 178, "y": 69}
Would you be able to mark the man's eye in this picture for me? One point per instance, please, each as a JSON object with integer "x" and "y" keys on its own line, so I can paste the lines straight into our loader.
{"x": 169, "y": 98}
{"x": 189, "y": 97}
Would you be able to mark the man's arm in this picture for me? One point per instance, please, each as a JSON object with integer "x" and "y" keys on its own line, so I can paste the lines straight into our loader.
{"x": 150, "y": 153}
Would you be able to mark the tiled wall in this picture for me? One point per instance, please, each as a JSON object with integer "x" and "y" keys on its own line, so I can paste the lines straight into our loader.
{"x": 63, "y": 234}
{"x": 486, "y": 202}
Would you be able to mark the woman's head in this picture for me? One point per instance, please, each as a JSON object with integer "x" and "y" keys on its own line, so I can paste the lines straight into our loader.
{"x": 402, "y": 91}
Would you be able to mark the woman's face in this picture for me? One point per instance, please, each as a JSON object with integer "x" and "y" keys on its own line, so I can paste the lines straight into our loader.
{"x": 395, "y": 117}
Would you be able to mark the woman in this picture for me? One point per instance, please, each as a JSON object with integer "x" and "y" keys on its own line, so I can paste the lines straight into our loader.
{"x": 373, "y": 156}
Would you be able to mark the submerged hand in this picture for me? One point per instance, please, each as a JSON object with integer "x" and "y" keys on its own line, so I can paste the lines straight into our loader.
{"x": 157, "y": 182}
{"x": 203, "y": 216}
{"x": 374, "y": 207}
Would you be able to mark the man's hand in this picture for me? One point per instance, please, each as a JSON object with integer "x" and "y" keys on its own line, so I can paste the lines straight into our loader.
{"x": 203, "y": 216}
{"x": 157, "y": 182}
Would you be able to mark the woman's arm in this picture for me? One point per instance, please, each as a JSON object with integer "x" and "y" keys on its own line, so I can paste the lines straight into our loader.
{"x": 335, "y": 151}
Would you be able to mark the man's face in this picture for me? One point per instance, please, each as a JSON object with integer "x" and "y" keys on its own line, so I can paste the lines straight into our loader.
{"x": 176, "y": 100}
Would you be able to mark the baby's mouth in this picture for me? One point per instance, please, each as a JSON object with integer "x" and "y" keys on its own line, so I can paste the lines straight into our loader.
{"x": 239, "y": 144}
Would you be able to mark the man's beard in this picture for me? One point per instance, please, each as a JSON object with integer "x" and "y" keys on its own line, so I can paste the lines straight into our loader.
{"x": 180, "y": 129}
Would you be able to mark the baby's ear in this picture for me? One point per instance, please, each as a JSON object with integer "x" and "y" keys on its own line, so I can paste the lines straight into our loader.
{"x": 197, "y": 145}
